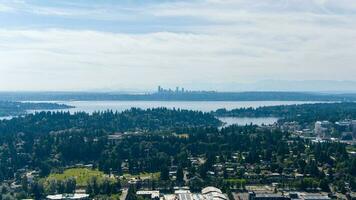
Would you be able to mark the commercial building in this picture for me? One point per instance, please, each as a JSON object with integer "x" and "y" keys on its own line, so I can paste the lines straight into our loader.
{"x": 322, "y": 129}
{"x": 213, "y": 193}
{"x": 311, "y": 196}
{"x": 67, "y": 196}
{"x": 267, "y": 196}
{"x": 148, "y": 194}
{"x": 354, "y": 128}
{"x": 208, "y": 193}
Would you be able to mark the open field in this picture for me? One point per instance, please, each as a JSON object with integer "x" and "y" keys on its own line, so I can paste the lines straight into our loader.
{"x": 81, "y": 175}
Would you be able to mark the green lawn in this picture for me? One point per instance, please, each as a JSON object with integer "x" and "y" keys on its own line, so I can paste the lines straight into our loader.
{"x": 351, "y": 148}
{"x": 81, "y": 175}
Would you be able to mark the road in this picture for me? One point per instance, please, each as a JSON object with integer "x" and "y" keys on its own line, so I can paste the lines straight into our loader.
{"x": 124, "y": 194}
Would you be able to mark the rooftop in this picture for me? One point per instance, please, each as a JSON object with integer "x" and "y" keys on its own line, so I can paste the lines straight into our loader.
{"x": 68, "y": 196}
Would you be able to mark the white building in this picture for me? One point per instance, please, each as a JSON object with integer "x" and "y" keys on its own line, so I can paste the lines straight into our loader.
{"x": 208, "y": 193}
{"x": 67, "y": 196}
{"x": 311, "y": 196}
{"x": 184, "y": 194}
{"x": 322, "y": 129}
{"x": 213, "y": 193}
{"x": 354, "y": 128}
{"x": 149, "y": 194}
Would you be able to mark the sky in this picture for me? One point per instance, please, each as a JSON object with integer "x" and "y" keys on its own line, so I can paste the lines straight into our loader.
{"x": 111, "y": 45}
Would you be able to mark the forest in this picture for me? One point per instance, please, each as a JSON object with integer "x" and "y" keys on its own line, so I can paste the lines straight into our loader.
{"x": 303, "y": 113}
{"x": 11, "y": 108}
{"x": 158, "y": 140}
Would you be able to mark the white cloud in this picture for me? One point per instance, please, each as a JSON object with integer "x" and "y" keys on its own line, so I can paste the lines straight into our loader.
{"x": 5, "y": 8}
{"x": 226, "y": 41}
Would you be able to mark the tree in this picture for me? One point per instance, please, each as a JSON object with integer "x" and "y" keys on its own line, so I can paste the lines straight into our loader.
{"x": 105, "y": 186}
{"x": 60, "y": 188}
{"x": 180, "y": 174}
{"x": 131, "y": 193}
{"x": 37, "y": 190}
{"x": 164, "y": 173}
{"x": 8, "y": 197}
{"x": 196, "y": 183}
{"x": 24, "y": 183}
{"x": 324, "y": 185}
{"x": 51, "y": 186}
{"x": 92, "y": 186}
{"x": 70, "y": 185}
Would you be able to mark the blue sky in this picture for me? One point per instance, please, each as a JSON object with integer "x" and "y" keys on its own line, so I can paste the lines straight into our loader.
{"x": 203, "y": 44}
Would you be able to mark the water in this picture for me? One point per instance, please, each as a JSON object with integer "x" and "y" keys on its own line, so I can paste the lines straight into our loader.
{"x": 205, "y": 106}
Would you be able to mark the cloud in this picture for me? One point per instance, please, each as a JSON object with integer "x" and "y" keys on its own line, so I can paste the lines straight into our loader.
{"x": 5, "y": 8}
{"x": 183, "y": 42}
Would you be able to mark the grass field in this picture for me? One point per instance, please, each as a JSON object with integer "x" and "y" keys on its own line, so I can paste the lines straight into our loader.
{"x": 81, "y": 175}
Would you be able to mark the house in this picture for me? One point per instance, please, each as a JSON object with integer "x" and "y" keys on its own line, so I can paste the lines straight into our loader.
{"x": 30, "y": 176}
{"x": 114, "y": 139}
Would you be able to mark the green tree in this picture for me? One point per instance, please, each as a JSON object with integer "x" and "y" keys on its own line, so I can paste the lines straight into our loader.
{"x": 164, "y": 173}
{"x": 70, "y": 185}
{"x": 180, "y": 174}
{"x": 324, "y": 185}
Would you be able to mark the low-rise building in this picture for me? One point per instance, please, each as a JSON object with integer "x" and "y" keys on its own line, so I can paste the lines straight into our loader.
{"x": 183, "y": 195}
{"x": 152, "y": 194}
{"x": 267, "y": 196}
{"x": 311, "y": 196}
{"x": 115, "y": 138}
{"x": 213, "y": 193}
{"x": 208, "y": 193}
{"x": 67, "y": 196}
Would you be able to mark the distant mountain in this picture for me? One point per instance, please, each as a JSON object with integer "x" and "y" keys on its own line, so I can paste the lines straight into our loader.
{"x": 285, "y": 85}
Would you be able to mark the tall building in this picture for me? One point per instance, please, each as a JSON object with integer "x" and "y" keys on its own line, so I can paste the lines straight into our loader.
{"x": 353, "y": 128}
{"x": 322, "y": 129}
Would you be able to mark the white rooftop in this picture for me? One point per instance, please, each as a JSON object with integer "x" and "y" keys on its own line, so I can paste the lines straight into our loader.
{"x": 213, "y": 193}
{"x": 67, "y": 196}
{"x": 210, "y": 189}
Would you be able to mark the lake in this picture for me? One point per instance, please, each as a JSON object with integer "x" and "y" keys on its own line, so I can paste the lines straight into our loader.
{"x": 205, "y": 106}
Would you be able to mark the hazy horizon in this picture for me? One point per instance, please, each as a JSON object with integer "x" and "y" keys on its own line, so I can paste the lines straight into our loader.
{"x": 314, "y": 86}
{"x": 224, "y": 45}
